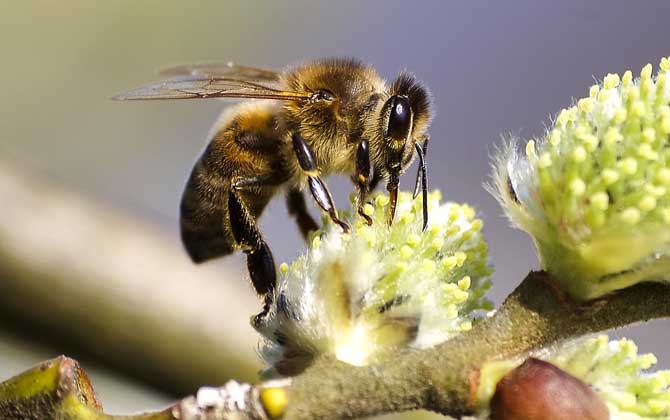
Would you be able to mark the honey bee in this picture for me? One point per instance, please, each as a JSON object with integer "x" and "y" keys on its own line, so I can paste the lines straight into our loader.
{"x": 306, "y": 122}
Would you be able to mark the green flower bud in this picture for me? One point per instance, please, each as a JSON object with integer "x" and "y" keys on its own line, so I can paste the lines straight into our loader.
{"x": 592, "y": 192}
{"x": 379, "y": 288}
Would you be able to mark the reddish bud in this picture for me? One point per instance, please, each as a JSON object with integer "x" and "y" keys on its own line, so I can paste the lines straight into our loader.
{"x": 538, "y": 390}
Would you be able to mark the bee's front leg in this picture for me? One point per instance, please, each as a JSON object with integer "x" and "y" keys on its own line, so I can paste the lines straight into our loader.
{"x": 362, "y": 178}
{"x": 316, "y": 185}
{"x": 422, "y": 177}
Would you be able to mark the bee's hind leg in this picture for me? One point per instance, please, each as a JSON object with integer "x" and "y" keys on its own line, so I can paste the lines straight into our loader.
{"x": 295, "y": 202}
{"x": 260, "y": 262}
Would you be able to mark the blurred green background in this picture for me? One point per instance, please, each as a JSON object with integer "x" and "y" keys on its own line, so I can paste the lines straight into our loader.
{"x": 494, "y": 68}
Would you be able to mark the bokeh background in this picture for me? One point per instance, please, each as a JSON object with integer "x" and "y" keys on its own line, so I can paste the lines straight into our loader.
{"x": 494, "y": 68}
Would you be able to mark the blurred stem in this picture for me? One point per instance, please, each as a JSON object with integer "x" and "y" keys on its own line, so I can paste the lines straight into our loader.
{"x": 97, "y": 282}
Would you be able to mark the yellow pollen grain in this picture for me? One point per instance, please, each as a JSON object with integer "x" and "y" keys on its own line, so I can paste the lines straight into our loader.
{"x": 577, "y": 187}
{"x": 437, "y": 244}
{"x": 579, "y": 154}
{"x": 644, "y": 150}
{"x": 655, "y": 190}
{"x": 665, "y": 64}
{"x": 612, "y": 136}
{"x": 563, "y": 117}
{"x": 620, "y": 116}
{"x": 468, "y": 211}
{"x": 630, "y": 215}
{"x": 413, "y": 240}
{"x": 406, "y": 252}
{"x": 663, "y": 176}
{"x": 381, "y": 200}
{"x": 428, "y": 265}
{"x": 401, "y": 266}
{"x": 460, "y": 257}
{"x": 585, "y": 105}
{"x": 637, "y": 108}
{"x": 647, "y": 203}
{"x": 590, "y": 142}
{"x": 449, "y": 262}
{"x": 555, "y": 137}
{"x": 454, "y": 214}
{"x": 593, "y": 91}
{"x": 316, "y": 242}
{"x": 452, "y": 230}
{"x": 647, "y": 87}
{"x": 368, "y": 210}
{"x": 283, "y": 268}
{"x": 435, "y": 229}
{"x": 627, "y": 77}
{"x": 477, "y": 225}
{"x": 649, "y": 134}
{"x": 464, "y": 283}
{"x": 600, "y": 200}
{"x": 610, "y": 176}
{"x": 407, "y": 217}
{"x": 459, "y": 296}
{"x": 665, "y": 125}
{"x": 628, "y": 166}
{"x": 530, "y": 148}
{"x": 645, "y": 73}
{"x": 611, "y": 81}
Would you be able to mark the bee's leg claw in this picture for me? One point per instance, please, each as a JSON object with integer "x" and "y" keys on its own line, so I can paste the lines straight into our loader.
{"x": 365, "y": 217}
{"x": 345, "y": 227}
{"x": 259, "y": 317}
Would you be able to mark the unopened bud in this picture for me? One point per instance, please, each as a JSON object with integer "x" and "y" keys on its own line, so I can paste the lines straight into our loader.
{"x": 538, "y": 390}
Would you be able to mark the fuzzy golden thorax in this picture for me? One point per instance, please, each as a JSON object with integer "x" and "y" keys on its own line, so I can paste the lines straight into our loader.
{"x": 329, "y": 122}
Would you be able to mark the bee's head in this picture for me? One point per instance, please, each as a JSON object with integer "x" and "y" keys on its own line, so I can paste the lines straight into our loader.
{"x": 404, "y": 120}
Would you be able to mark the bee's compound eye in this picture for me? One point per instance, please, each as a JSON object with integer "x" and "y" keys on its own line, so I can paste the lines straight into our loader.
{"x": 323, "y": 95}
{"x": 400, "y": 118}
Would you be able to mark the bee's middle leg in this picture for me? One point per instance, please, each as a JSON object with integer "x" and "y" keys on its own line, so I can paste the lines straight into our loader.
{"x": 317, "y": 187}
{"x": 362, "y": 178}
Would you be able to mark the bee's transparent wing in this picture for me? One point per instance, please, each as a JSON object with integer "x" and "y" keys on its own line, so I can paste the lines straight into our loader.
{"x": 203, "y": 87}
{"x": 227, "y": 70}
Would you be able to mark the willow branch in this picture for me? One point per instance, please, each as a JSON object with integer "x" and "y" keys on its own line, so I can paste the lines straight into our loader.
{"x": 443, "y": 378}
{"x": 81, "y": 273}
